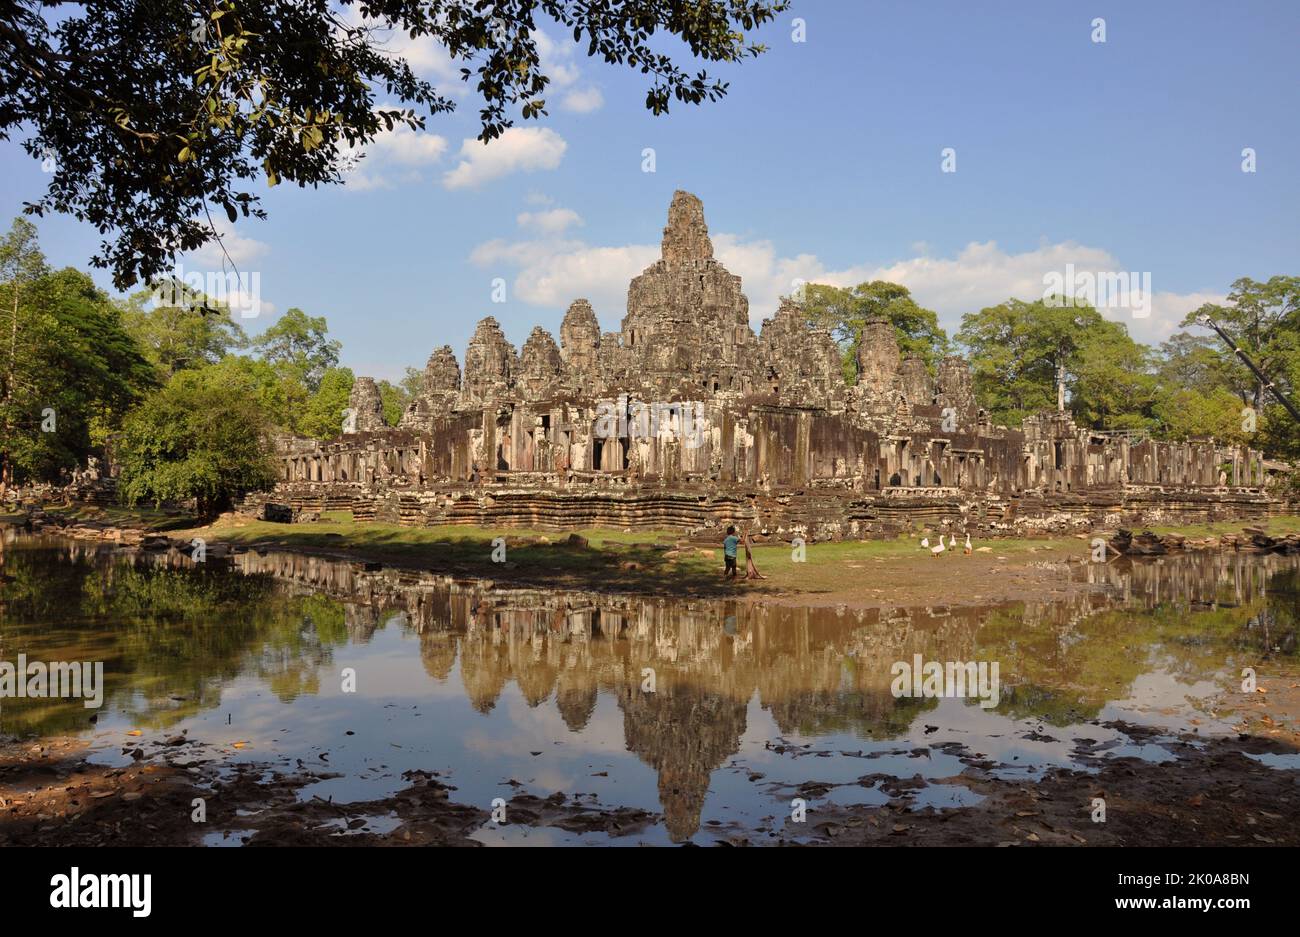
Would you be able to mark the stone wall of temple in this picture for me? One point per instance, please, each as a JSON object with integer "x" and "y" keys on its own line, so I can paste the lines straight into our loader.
{"x": 365, "y": 408}
{"x": 687, "y": 418}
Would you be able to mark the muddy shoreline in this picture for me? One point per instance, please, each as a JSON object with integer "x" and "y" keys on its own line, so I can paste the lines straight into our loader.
{"x": 1209, "y": 791}
{"x": 1214, "y": 793}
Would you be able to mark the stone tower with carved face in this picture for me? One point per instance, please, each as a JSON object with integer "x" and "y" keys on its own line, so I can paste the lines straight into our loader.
{"x": 687, "y": 323}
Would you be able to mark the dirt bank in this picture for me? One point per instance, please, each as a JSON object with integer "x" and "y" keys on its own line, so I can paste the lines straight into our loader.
{"x": 853, "y": 573}
{"x": 1210, "y": 792}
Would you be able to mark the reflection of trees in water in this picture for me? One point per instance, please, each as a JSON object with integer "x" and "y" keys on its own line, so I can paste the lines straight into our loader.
{"x": 165, "y": 628}
{"x": 1193, "y": 616}
{"x": 170, "y": 634}
{"x": 1273, "y": 632}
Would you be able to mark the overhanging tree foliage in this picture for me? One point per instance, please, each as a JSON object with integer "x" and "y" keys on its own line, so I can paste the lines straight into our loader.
{"x": 154, "y": 113}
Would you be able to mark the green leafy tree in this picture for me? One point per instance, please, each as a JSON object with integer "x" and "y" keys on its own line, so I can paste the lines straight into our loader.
{"x": 179, "y": 337}
{"x": 1195, "y": 397}
{"x": 22, "y": 265}
{"x": 412, "y": 383}
{"x": 298, "y": 348}
{"x": 150, "y": 119}
{"x": 202, "y": 436}
{"x": 278, "y": 399}
{"x": 1262, "y": 320}
{"x": 394, "y": 398}
{"x": 1279, "y": 436}
{"x": 844, "y": 310}
{"x": 323, "y": 417}
{"x": 1017, "y": 349}
{"x": 69, "y": 368}
{"x": 1194, "y": 413}
{"x": 1114, "y": 386}
{"x": 1195, "y": 362}
{"x": 1200, "y": 373}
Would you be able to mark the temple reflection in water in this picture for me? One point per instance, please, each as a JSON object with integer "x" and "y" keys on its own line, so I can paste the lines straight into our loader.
{"x": 815, "y": 670}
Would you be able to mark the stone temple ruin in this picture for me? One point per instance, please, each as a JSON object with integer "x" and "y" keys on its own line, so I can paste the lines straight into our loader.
{"x": 687, "y": 419}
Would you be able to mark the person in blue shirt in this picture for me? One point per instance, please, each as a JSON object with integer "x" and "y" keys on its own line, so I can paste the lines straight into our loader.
{"x": 729, "y": 553}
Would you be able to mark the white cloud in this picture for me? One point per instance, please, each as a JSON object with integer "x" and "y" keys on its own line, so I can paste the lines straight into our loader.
{"x": 229, "y": 247}
{"x": 552, "y": 273}
{"x": 518, "y": 149}
{"x": 982, "y": 274}
{"x": 556, "y": 60}
{"x": 427, "y": 57}
{"x": 553, "y": 221}
{"x": 522, "y": 253}
{"x": 1169, "y": 309}
{"x": 583, "y": 100}
{"x": 601, "y": 274}
{"x": 394, "y": 156}
{"x": 409, "y": 147}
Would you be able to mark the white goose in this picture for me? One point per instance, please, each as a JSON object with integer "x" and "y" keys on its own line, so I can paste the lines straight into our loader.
{"x": 968, "y": 546}
{"x": 935, "y": 551}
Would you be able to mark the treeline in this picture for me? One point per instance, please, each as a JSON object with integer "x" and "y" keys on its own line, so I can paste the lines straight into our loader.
{"x": 1190, "y": 386}
{"x": 188, "y": 398}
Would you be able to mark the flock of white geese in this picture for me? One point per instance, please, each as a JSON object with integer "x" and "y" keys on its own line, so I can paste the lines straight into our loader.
{"x": 941, "y": 548}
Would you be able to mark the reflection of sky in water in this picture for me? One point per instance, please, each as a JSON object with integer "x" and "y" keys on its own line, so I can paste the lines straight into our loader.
{"x": 735, "y": 764}
{"x": 1289, "y": 761}
{"x": 944, "y": 797}
{"x": 854, "y": 795}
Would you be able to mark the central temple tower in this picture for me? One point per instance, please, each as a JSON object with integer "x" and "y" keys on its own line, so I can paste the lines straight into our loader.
{"x": 687, "y": 324}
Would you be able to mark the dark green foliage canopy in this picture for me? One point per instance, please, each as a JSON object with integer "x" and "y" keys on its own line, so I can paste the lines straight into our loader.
{"x": 201, "y": 436}
{"x": 69, "y": 369}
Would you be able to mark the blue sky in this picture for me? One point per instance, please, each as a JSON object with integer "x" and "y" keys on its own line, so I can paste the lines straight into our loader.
{"x": 823, "y": 163}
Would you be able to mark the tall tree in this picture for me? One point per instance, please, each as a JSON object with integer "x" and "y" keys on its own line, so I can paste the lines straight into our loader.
{"x": 202, "y": 436}
{"x": 1193, "y": 413}
{"x": 21, "y": 265}
{"x": 323, "y": 417}
{"x": 1113, "y": 385}
{"x": 1018, "y": 350}
{"x": 298, "y": 347}
{"x": 1262, "y": 319}
{"x": 70, "y": 370}
{"x": 394, "y": 398}
{"x": 412, "y": 383}
{"x": 154, "y": 113}
{"x": 278, "y": 399}
{"x": 1196, "y": 362}
{"x": 844, "y": 310}
{"x": 180, "y": 337}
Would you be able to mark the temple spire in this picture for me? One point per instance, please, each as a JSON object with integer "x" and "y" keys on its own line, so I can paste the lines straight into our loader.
{"x": 686, "y": 239}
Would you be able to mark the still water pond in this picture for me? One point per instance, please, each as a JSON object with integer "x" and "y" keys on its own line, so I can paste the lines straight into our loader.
{"x": 512, "y": 690}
